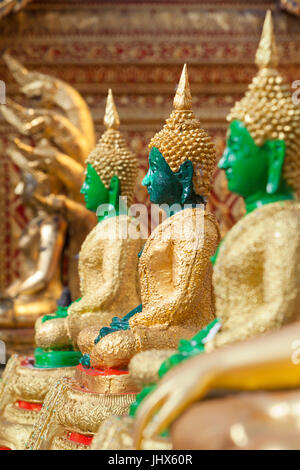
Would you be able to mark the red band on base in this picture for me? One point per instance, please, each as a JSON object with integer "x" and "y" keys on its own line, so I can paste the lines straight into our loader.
{"x": 80, "y": 438}
{"x": 27, "y": 405}
{"x": 96, "y": 372}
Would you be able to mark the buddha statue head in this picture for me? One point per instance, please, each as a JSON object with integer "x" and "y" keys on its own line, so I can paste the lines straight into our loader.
{"x": 262, "y": 156}
{"x": 182, "y": 155}
{"x": 111, "y": 166}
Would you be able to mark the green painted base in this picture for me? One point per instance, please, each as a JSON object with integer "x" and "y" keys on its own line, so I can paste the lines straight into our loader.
{"x": 52, "y": 359}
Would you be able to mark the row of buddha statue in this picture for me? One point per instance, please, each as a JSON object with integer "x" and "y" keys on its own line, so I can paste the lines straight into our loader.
{"x": 162, "y": 323}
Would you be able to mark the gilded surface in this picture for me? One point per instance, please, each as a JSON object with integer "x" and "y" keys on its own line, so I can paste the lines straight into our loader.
{"x": 175, "y": 276}
{"x": 257, "y": 274}
{"x": 108, "y": 269}
{"x": 175, "y": 269}
{"x": 174, "y": 306}
{"x": 144, "y": 366}
{"x": 106, "y": 384}
{"x": 69, "y": 408}
{"x": 111, "y": 156}
{"x": 136, "y": 49}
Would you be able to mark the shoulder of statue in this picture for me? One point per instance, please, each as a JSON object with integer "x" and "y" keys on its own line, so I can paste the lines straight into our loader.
{"x": 211, "y": 219}
{"x": 267, "y": 214}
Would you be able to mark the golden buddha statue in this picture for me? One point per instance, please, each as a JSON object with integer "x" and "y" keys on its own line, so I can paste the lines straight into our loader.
{"x": 108, "y": 281}
{"x": 41, "y": 245}
{"x": 250, "y": 283}
{"x": 257, "y": 268}
{"x": 175, "y": 277}
{"x": 109, "y": 284}
{"x": 261, "y": 254}
{"x": 175, "y": 269}
{"x": 62, "y": 131}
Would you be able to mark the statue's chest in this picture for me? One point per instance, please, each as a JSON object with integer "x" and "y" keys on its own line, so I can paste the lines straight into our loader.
{"x": 91, "y": 251}
{"x": 241, "y": 263}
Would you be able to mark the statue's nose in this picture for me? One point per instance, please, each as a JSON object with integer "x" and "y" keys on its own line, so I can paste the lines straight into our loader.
{"x": 223, "y": 163}
{"x": 146, "y": 179}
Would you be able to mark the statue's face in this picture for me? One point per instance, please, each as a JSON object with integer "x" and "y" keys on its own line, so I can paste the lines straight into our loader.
{"x": 162, "y": 185}
{"x": 94, "y": 191}
{"x": 246, "y": 165}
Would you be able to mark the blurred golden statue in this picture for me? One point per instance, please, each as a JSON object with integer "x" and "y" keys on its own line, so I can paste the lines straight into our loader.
{"x": 61, "y": 134}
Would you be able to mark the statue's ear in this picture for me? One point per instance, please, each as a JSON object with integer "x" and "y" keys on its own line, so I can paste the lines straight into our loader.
{"x": 114, "y": 190}
{"x": 276, "y": 154}
{"x": 185, "y": 176}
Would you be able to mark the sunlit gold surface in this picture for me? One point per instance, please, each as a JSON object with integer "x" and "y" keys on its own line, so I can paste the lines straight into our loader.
{"x": 175, "y": 277}
{"x": 62, "y": 132}
{"x": 256, "y": 275}
{"x": 109, "y": 287}
{"x": 39, "y": 286}
{"x": 106, "y": 384}
{"x": 145, "y": 365}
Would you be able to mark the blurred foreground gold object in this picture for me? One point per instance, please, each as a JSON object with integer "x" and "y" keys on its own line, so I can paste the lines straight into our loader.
{"x": 269, "y": 362}
{"x": 247, "y": 421}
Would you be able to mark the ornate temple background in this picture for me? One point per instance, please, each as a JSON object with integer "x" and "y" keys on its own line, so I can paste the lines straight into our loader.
{"x": 138, "y": 48}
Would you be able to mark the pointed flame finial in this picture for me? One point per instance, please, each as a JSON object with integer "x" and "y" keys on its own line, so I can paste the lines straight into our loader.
{"x": 183, "y": 97}
{"x": 111, "y": 117}
{"x": 266, "y": 54}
